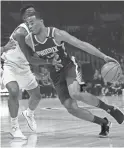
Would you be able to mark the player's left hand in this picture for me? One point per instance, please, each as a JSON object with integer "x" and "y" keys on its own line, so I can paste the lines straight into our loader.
{"x": 110, "y": 59}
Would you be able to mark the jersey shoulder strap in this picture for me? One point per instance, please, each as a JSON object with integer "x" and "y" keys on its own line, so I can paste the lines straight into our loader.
{"x": 53, "y": 37}
{"x": 50, "y": 32}
{"x": 23, "y": 25}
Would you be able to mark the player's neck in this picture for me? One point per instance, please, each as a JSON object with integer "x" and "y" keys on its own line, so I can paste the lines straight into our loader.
{"x": 43, "y": 34}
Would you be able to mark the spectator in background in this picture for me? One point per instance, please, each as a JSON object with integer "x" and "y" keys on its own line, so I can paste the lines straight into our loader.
{"x": 46, "y": 86}
{"x": 97, "y": 83}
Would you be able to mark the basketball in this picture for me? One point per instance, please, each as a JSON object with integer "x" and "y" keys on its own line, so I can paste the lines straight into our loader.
{"x": 111, "y": 72}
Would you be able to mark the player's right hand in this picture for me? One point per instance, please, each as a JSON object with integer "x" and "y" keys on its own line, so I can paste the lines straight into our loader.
{"x": 10, "y": 45}
{"x": 110, "y": 59}
{"x": 57, "y": 62}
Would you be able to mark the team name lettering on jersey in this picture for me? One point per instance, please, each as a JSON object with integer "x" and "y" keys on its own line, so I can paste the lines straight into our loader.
{"x": 47, "y": 51}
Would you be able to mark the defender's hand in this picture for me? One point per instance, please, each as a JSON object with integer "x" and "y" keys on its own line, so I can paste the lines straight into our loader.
{"x": 10, "y": 45}
{"x": 57, "y": 62}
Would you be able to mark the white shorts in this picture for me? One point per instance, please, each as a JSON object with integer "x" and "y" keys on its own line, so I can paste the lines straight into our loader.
{"x": 24, "y": 77}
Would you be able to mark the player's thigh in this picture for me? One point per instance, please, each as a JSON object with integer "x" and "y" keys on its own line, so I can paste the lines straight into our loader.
{"x": 9, "y": 75}
{"x": 9, "y": 81}
{"x": 72, "y": 83}
{"x": 62, "y": 91}
{"x": 65, "y": 98}
{"x": 27, "y": 81}
{"x": 71, "y": 105}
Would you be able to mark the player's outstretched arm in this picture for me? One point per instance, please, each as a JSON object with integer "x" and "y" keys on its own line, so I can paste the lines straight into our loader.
{"x": 19, "y": 36}
{"x": 64, "y": 36}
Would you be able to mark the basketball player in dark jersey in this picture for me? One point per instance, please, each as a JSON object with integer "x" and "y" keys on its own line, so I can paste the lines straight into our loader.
{"x": 47, "y": 42}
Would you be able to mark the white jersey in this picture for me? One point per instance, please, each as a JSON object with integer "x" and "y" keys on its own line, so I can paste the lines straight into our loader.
{"x": 16, "y": 67}
{"x": 15, "y": 57}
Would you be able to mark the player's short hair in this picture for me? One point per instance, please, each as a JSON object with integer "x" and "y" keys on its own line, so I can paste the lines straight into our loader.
{"x": 24, "y": 10}
{"x": 36, "y": 14}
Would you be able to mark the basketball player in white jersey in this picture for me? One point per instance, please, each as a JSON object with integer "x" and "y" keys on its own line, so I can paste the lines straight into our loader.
{"x": 46, "y": 41}
{"x": 17, "y": 75}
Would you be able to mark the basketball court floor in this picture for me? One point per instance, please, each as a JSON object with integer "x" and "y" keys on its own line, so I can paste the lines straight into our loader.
{"x": 57, "y": 128}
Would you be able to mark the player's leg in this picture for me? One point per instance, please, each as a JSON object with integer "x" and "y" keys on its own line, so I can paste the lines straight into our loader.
{"x": 72, "y": 107}
{"x": 13, "y": 103}
{"x": 29, "y": 83}
{"x": 71, "y": 104}
{"x": 73, "y": 87}
{"x": 34, "y": 100}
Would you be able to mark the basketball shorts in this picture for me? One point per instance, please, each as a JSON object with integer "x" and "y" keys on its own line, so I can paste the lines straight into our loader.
{"x": 60, "y": 81}
{"x": 24, "y": 77}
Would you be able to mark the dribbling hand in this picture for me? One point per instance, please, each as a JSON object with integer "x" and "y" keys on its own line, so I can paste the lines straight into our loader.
{"x": 10, "y": 45}
{"x": 110, "y": 59}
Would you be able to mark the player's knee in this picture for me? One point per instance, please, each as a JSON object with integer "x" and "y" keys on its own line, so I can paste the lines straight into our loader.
{"x": 70, "y": 105}
{"x": 74, "y": 94}
{"x": 14, "y": 93}
{"x": 74, "y": 89}
{"x": 13, "y": 89}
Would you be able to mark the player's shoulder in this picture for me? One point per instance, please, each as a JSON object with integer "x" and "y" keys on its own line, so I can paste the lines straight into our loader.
{"x": 20, "y": 32}
{"x": 59, "y": 32}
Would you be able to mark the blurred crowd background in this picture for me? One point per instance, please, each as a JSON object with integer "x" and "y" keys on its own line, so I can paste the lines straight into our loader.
{"x": 98, "y": 23}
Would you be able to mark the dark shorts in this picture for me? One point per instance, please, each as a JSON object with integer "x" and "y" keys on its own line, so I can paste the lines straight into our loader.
{"x": 60, "y": 79}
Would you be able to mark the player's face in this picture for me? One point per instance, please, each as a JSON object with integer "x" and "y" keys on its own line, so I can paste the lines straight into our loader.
{"x": 34, "y": 24}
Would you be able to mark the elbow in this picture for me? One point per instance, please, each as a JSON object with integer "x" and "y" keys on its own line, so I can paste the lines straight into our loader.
{"x": 30, "y": 61}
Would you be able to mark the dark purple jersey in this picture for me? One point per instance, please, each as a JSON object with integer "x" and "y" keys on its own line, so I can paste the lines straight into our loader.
{"x": 49, "y": 47}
